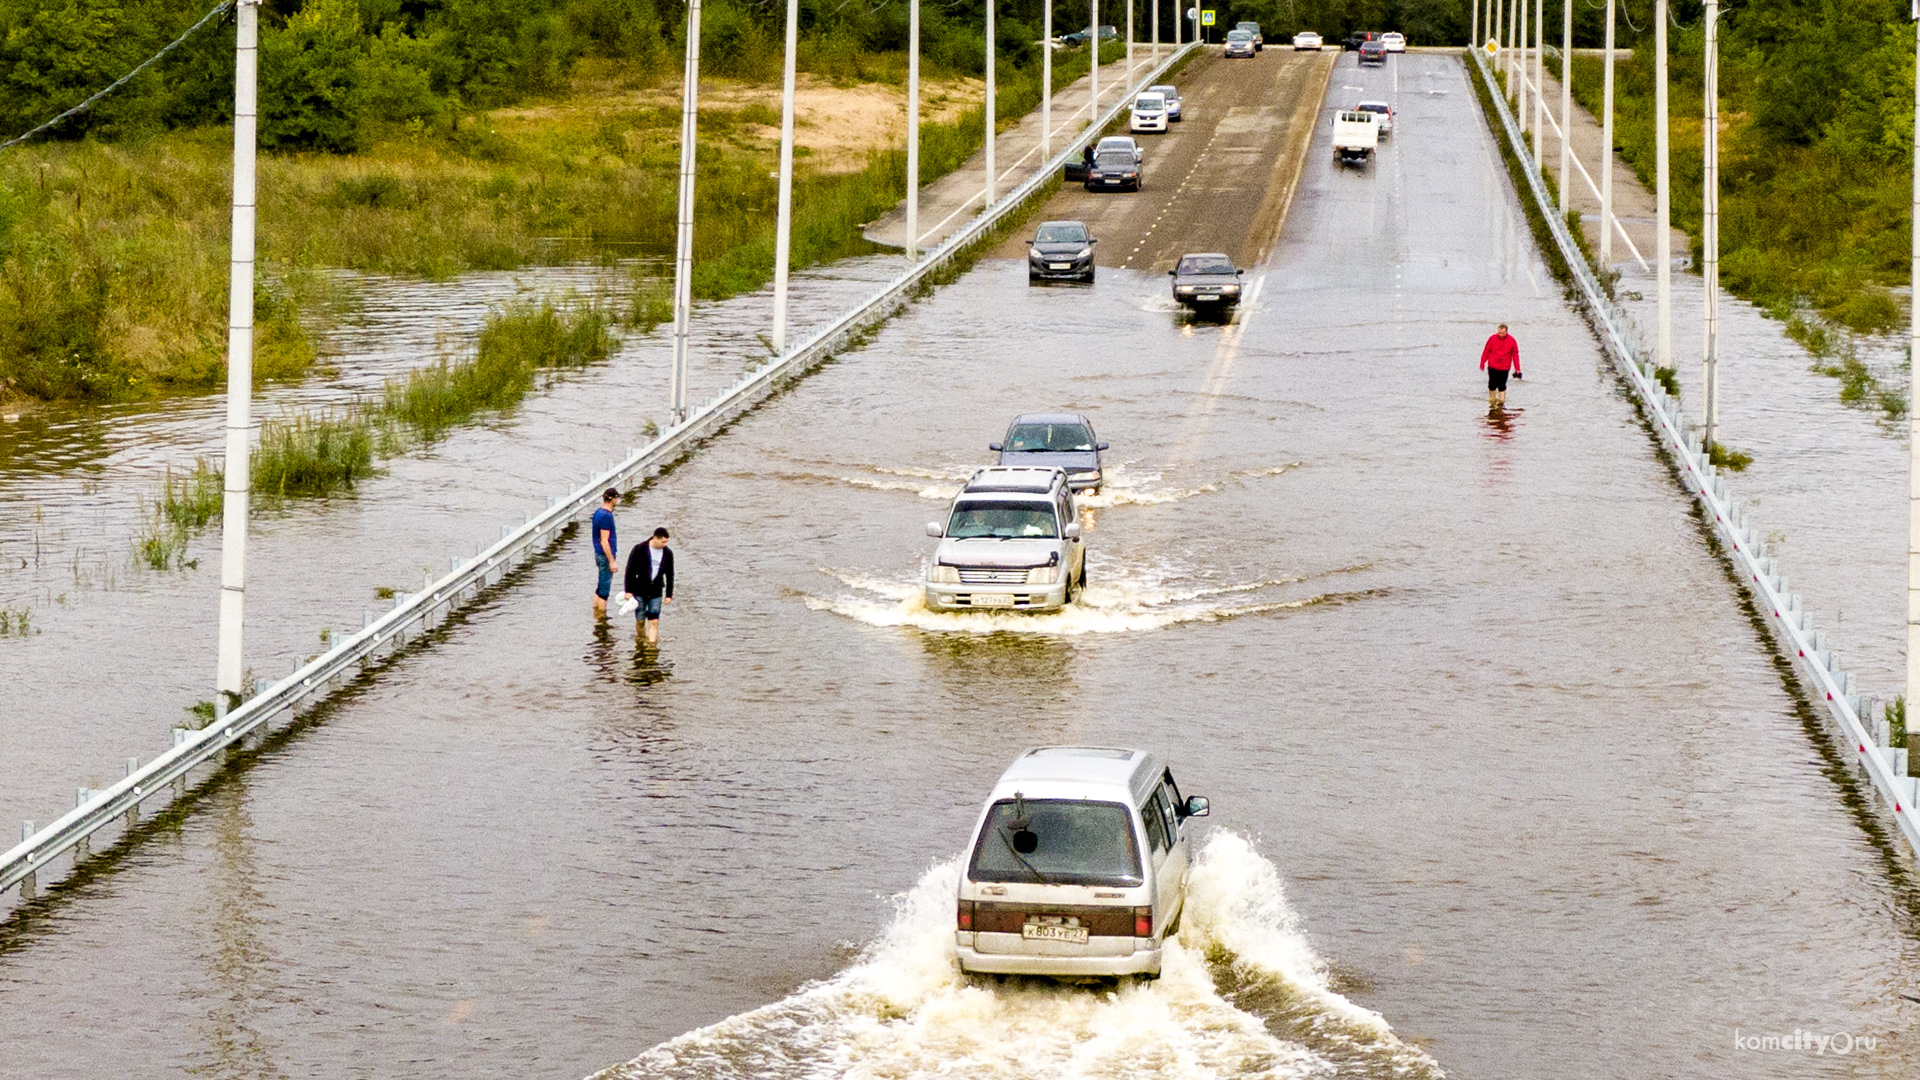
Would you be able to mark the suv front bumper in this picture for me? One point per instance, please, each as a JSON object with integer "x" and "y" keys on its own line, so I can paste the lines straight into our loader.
{"x": 945, "y": 596}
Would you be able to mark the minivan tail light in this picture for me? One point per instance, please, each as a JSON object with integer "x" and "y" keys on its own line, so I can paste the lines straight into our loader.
{"x": 966, "y": 915}
{"x": 1142, "y": 922}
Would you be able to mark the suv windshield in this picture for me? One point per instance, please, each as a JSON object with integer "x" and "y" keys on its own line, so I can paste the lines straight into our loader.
{"x": 1060, "y": 841}
{"x": 1057, "y": 438}
{"x": 1206, "y": 264}
{"x": 1061, "y": 233}
{"x": 1003, "y": 520}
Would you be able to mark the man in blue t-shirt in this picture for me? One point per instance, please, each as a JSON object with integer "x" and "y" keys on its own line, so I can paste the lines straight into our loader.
{"x": 604, "y": 545}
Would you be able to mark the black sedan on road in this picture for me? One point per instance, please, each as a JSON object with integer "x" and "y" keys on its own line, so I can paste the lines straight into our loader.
{"x": 1206, "y": 281}
{"x": 1113, "y": 169}
{"x": 1373, "y": 52}
{"x": 1061, "y": 251}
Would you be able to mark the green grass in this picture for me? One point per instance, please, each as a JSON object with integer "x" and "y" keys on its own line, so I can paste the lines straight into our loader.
{"x": 16, "y": 622}
{"x": 321, "y": 455}
{"x": 1897, "y": 723}
{"x": 1725, "y": 457}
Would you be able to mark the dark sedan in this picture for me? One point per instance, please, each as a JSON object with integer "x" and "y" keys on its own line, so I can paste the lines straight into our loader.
{"x": 1114, "y": 169}
{"x": 1060, "y": 440}
{"x": 1373, "y": 52}
{"x": 1061, "y": 251}
{"x": 1206, "y": 281}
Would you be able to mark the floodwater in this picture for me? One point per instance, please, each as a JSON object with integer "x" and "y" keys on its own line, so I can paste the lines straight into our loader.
{"x": 1828, "y": 483}
{"x": 1503, "y": 783}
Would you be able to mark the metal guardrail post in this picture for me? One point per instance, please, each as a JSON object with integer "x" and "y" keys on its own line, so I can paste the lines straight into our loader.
{"x": 1791, "y": 628}
{"x": 382, "y": 637}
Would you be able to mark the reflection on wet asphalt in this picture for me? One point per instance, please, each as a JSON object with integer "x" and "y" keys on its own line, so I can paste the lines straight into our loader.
{"x": 1538, "y": 801}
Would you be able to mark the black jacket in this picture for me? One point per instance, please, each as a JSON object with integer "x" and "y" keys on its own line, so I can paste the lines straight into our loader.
{"x": 640, "y": 581}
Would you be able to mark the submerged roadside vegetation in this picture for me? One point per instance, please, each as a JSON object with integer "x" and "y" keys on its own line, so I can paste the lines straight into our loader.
{"x": 322, "y": 454}
{"x": 429, "y": 139}
{"x": 1816, "y": 164}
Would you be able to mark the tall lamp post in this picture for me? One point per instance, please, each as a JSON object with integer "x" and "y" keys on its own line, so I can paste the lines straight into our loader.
{"x": 683, "y": 246}
{"x": 1710, "y": 232}
{"x": 1606, "y": 148}
{"x": 1913, "y": 436}
{"x": 782, "y": 237}
{"x": 1662, "y": 197}
{"x": 913, "y": 129}
{"x": 230, "y": 670}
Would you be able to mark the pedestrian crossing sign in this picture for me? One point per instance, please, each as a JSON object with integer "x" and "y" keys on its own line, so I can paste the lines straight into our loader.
{"x": 1206, "y": 17}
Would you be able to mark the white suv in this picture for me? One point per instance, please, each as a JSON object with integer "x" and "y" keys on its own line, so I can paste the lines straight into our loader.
{"x": 1011, "y": 540}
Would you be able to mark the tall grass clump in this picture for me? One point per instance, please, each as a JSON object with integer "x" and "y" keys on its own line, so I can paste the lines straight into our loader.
{"x": 518, "y": 342}
{"x": 313, "y": 455}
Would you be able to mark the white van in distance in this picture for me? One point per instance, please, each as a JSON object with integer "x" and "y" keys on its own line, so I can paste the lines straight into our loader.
{"x": 1078, "y": 866}
{"x": 1149, "y": 113}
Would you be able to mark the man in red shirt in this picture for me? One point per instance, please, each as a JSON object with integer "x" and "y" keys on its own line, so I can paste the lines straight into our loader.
{"x": 1500, "y": 356}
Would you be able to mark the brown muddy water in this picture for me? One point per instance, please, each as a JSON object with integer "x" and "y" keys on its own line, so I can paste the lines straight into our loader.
{"x": 1504, "y": 784}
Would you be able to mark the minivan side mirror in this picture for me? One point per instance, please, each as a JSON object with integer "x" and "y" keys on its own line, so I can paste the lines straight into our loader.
{"x": 1100, "y": 446}
{"x": 1073, "y": 530}
{"x": 934, "y": 529}
{"x": 1173, "y": 273}
{"x": 993, "y": 446}
{"x": 1238, "y": 273}
{"x": 1196, "y": 806}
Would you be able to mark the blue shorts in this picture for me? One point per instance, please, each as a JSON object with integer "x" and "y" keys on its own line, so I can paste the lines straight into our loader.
{"x": 648, "y": 609}
{"x": 606, "y": 576}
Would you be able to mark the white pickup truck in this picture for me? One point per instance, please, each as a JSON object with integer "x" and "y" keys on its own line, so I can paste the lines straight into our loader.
{"x": 1356, "y": 134}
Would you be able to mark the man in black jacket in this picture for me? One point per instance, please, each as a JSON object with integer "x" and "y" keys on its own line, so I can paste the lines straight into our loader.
{"x": 650, "y": 581}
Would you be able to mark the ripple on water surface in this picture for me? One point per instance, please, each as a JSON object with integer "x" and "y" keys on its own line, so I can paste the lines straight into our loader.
{"x": 1241, "y": 995}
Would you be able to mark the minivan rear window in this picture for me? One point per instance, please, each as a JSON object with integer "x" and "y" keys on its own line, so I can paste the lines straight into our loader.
{"x": 1060, "y": 842}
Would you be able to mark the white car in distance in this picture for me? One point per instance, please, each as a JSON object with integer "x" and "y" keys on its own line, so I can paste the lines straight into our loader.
{"x": 1149, "y": 113}
{"x": 1394, "y": 41}
{"x": 1307, "y": 40}
{"x": 1382, "y": 110}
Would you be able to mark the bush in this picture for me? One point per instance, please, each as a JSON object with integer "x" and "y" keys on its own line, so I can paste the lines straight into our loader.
{"x": 310, "y": 80}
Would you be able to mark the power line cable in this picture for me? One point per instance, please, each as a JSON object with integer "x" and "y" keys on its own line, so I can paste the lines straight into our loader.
{"x": 122, "y": 80}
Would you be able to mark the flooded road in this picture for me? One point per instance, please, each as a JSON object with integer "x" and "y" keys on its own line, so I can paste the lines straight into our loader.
{"x": 1504, "y": 784}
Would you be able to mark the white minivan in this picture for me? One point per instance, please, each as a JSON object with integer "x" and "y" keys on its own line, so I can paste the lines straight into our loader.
{"x": 1149, "y": 113}
{"x": 1078, "y": 866}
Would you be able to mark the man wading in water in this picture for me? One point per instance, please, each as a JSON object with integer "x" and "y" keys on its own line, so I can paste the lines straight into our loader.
{"x": 1501, "y": 355}
{"x": 650, "y": 582}
{"x": 604, "y": 545}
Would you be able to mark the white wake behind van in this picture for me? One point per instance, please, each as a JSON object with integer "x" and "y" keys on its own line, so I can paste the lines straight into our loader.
{"x": 1078, "y": 866}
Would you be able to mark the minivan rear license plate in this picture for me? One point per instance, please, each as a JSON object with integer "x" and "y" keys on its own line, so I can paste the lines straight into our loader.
{"x": 1054, "y": 932}
{"x": 992, "y": 600}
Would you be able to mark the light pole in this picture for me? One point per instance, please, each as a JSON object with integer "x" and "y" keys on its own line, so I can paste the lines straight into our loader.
{"x": 1606, "y": 149}
{"x": 1913, "y": 439}
{"x": 1093, "y": 41}
{"x": 1520, "y": 61}
{"x": 1710, "y": 232}
{"x": 782, "y": 237}
{"x": 913, "y": 129}
{"x": 1473, "y": 31}
{"x": 988, "y": 200}
{"x": 1540, "y": 84}
{"x": 1566, "y": 100}
{"x": 1046, "y": 80}
{"x": 683, "y": 247}
{"x": 1662, "y": 198}
{"x": 230, "y": 670}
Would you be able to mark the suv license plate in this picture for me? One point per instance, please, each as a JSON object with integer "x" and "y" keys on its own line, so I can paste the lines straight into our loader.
{"x": 992, "y": 600}
{"x": 1054, "y": 932}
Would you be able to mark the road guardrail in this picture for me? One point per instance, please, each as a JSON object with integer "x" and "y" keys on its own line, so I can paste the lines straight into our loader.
{"x": 1862, "y": 735}
{"x": 415, "y": 614}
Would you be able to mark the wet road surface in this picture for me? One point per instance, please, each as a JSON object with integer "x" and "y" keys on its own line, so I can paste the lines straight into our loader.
{"x": 1503, "y": 781}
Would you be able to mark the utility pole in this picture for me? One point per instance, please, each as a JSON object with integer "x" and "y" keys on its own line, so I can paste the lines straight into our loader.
{"x": 1913, "y": 435}
{"x": 1496, "y": 22}
{"x": 230, "y": 672}
{"x": 1520, "y": 56}
{"x": 1156, "y": 29}
{"x": 1710, "y": 231}
{"x": 683, "y": 248}
{"x": 1046, "y": 80}
{"x": 1606, "y": 150}
{"x": 913, "y": 129}
{"x": 1130, "y": 4}
{"x": 1662, "y": 197}
{"x": 1566, "y": 100}
{"x": 988, "y": 200}
{"x": 1473, "y": 30}
{"x": 782, "y": 237}
{"x": 1093, "y": 106}
{"x": 1540, "y": 84}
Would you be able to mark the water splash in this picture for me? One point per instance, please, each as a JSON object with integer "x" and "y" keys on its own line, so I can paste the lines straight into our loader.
{"x": 904, "y": 1011}
{"x": 1128, "y": 604}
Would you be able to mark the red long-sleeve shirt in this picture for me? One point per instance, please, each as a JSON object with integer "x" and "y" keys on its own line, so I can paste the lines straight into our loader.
{"x": 1502, "y": 353}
